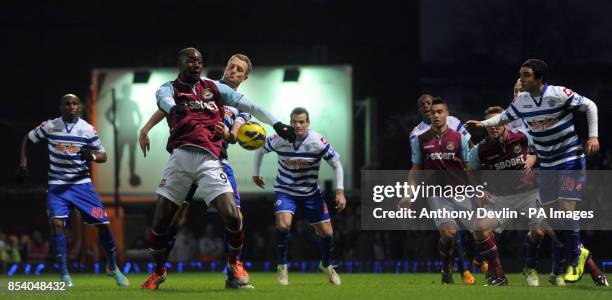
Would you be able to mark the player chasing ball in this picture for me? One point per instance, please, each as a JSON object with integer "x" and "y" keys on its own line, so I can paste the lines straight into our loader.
{"x": 297, "y": 185}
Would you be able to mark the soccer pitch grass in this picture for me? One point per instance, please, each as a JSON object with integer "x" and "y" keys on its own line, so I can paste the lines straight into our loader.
{"x": 308, "y": 286}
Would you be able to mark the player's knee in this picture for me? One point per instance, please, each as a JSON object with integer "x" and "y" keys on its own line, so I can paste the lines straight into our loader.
{"x": 480, "y": 234}
{"x": 57, "y": 224}
{"x": 448, "y": 233}
{"x": 536, "y": 234}
{"x": 567, "y": 205}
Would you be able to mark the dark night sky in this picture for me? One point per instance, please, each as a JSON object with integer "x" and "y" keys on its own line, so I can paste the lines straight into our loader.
{"x": 397, "y": 48}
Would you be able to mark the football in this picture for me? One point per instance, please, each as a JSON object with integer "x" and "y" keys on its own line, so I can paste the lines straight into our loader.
{"x": 251, "y": 136}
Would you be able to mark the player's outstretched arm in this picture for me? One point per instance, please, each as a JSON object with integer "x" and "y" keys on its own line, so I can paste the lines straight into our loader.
{"x": 143, "y": 139}
{"x": 232, "y": 98}
{"x": 257, "y": 179}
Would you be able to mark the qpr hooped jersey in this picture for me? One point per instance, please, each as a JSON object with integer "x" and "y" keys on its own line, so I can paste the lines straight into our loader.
{"x": 299, "y": 162}
{"x": 231, "y": 115}
{"x": 550, "y": 122}
{"x": 65, "y": 141}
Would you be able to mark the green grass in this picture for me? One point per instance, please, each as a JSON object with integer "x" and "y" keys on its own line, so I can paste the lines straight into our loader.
{"x": 307, "y": 286}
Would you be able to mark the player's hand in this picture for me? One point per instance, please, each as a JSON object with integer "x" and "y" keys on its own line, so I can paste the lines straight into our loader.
{"x": 259, "y": 181}
{"x": 340, "y": 200}
{"x": 473, "y": 124}
{"x": 232, "y": 137}
{"x": 285, "y": 131}
{"x": 518, "y": 87}
{"x": 179, "y": 110}
{"x": 530, "y": 162}
{"x": 485, "y": 199}
{"x": 219, "y": 130}
{"x": 87, "y": 155}
{"x": 22, "y": 174}
{"x": 145, "y": 144}
{"x": 592, "y": 146}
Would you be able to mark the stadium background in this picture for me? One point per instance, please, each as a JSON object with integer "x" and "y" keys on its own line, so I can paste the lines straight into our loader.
{"x": 467, "y": 52}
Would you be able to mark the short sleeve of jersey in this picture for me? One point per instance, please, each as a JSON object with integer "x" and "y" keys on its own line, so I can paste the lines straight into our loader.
{"x": 512, "y": 113}
{"x": 417, "y": 159}
{"x": 473, "y": 159}
{"x": 327, "y": 151}
{"x": 456, "y": 125}
{"x": 165, "y": 97}
{"x": 245, "y": 116}
{"x": 40, "y": 132}
{"x": 464, "y": 148}
{"x": 93, "y": 140}
{"x": 228, "y": 95}
{"x": 571, "y": 99}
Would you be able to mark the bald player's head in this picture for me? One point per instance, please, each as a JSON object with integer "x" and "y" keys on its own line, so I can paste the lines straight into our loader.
{"x": 190, "y": 64}
{"x": 70, "y": 107}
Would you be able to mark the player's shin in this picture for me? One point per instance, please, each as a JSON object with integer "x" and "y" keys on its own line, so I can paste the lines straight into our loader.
{"x": 445, "y": 248}
{"x": 59, "y": 244}
{"x": 235, "y": 240}
{"x": 459, "y": 253}
{"x": 488, "y": 250}
{"x": 158, "y": 245}
{"x": 108, "y": 244}
{"x": 172, "y": 231}
{"x": 531, "y": 246}
{"x": 326, "y": 245}
{"x": 282, "y": 245}
{"x": 558, "y": 260}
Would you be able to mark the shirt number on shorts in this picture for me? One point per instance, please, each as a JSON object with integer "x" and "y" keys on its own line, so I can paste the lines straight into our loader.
{"x": 224, "y": 177}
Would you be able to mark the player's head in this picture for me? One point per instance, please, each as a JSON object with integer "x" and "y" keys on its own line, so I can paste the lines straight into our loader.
{"x": 424, "y": 104}
{"x": 70, "y": 106}
{"x": 534, "y": 73}
{"x": 438, "y": 112}
{"x": 237, "y": 70}
{"x": 494, "y": 131}
{"x": 300, "y": 120}
{"x": 190, "y": 64}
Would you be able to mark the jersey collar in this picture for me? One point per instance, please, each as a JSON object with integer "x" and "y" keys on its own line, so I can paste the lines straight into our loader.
{"x": 296, "y": 147}
{"x": 538, "y": 103}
